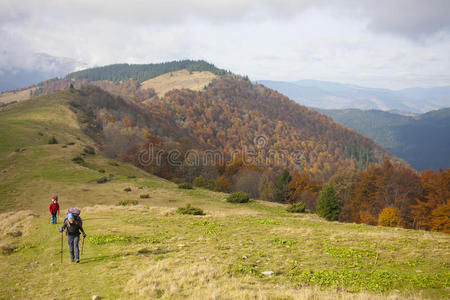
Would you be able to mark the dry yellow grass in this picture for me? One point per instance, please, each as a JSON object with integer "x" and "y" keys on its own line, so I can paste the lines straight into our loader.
{"x": 15, "y": 96}
{"x": 174, "y": 279}
{"x": 14, "y": 225}
{"x": 12, "y": 222}
{"x": 179, "y": 80}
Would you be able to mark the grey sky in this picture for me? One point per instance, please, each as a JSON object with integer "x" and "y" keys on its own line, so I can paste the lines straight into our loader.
{"x": 391, "y": 44}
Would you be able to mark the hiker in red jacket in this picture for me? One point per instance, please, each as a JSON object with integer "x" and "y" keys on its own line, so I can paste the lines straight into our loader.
{"x": 54, "y": 208}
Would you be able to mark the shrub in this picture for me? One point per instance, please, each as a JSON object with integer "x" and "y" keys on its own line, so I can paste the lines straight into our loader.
{"x": 131, "y": 176}
{"x": 52, "y": 140}
{"x": 222, "y": 185}
{"x": 70, "y": 144}
{"x": 113, "y": 163}
{"x": 144, "y": 196}
{"x": 296, "y": 207}
{"x": 127, "y": 202}
{"x": 185, "y": 185}
{"x": 64, "y": 146}
{"x": 102, "y": 171}
{"x": 40, "y": 133}
{"x": 211, "y": 185}
{"x": 127, "y": 189}
{"x": 281, "y": 192}
{"x": 199, "y": 181}
{"x": 389, "y": 217}
{"x": 238, "y": 197}
{"x": 190, "y": 210}
{"x": 327, "y": 205}
{"x": 89, "y": 150}
{"x": 78, "y": 160}
{"x": 178, "y": 180}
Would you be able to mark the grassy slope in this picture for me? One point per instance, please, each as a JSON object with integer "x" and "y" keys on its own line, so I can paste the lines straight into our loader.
{"x": 179, "y": 80}
{"x": 7, "y": 97}
{"x": 148, "y": 251}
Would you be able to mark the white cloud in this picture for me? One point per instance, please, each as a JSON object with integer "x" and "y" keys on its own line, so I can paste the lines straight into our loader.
{"x": 362, "y": 42}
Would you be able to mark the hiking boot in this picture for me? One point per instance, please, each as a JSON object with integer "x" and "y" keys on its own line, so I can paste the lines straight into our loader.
{"x": 78, "y": 261}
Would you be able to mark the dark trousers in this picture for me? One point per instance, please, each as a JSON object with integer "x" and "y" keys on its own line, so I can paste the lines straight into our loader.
{"x": 54, "y": 217}
{"x": 73, "y": 241}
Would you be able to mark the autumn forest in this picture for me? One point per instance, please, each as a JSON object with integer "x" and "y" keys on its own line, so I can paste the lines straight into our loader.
{"x": 271, "y": 147}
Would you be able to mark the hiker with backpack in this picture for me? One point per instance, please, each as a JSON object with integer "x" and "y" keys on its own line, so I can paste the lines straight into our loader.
{"x": 74, "y": 226}
{"x": 54, "y": 209}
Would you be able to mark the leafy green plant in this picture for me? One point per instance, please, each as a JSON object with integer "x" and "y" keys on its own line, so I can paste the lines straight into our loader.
{"x": 245, "y": 270}
{"x": 268, "y": 222}
{"x": 211, "y": 185}
{"x": 127, "y": 202}
{"x": 199, "y": 181}
{"x": 101, "y": 239}
{"x": 238, "y": 197}
{"x": 352, "y": 253}
{"x": 89, "y": 150}
{"x": 296, "y": 207}
{"x": 78, "y": 160}
{"x": 185, "y": 185}
{"x": 53, "y": 140}
{"x": 190, "y": 210}
{"x": 283, "y": 242}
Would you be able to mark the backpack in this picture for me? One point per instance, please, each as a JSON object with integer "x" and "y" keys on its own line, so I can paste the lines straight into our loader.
{"x": 76, "y": 213}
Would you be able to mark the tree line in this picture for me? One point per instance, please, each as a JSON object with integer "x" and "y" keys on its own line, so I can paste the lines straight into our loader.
{"x": 142, "y": 72}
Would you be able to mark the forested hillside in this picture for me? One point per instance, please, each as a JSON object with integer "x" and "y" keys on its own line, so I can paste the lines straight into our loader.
{"x": 233, "y": 116}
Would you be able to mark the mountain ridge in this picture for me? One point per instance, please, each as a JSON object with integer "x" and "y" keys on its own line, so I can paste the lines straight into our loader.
{"x": 421, "y": 140}
{"x": 333, "y": 95}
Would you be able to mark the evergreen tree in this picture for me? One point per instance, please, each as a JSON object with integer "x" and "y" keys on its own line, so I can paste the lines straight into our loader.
{"x": 328, "y": 206}
{"x": 281, "y": 189}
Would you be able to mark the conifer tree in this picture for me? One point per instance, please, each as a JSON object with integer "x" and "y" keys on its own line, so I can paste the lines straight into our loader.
{"x": 328, "y": 206}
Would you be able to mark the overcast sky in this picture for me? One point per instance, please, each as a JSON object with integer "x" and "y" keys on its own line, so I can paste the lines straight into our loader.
{"x": 380, "y": 43}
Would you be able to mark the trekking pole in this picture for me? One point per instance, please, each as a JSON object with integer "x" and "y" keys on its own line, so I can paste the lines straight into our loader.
{"x": 62, "y": 247}
{"x": 82, "y": 246}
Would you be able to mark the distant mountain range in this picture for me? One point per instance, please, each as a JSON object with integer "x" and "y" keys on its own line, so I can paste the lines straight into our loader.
{"x": 422, "y": 140}
{"x": 332, "y": 95}
{"x": 36, "y": 68}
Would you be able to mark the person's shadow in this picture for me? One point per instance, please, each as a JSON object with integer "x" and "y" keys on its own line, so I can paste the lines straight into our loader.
{"x": 103, "y": 257}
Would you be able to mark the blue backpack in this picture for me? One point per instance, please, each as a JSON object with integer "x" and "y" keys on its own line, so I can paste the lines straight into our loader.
{"x": 76, "y": 213}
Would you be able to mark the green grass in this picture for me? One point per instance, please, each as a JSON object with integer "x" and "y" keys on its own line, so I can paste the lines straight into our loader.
{"x": 145, "y": 249}
{"x": 124, "y": 243}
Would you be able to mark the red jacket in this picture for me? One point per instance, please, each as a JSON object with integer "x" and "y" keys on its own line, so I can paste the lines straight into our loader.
{"x": 54, "y": 207}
